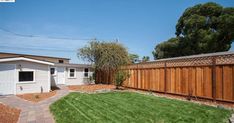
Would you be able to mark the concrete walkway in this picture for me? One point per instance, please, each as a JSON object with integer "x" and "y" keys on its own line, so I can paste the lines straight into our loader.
{"x": 34, "y": 112}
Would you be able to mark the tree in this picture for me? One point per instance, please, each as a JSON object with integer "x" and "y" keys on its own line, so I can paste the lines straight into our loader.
{"x": 106, "y": 56}
{"x": 203, "y": 28}
{"x": 166, "y": 49}
{"x": 133, "y": 58}
{"x": 145, "y": 58}
{"x": 90, "y": 52}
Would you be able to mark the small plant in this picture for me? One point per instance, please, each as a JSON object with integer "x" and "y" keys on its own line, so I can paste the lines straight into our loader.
{"x": 37, "y": 96}
{"x": 91, "y": 80}
{"x": 120, "y": 77}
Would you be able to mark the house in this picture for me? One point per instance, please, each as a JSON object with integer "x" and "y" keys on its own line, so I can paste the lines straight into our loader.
{"x": 22, "y": 73}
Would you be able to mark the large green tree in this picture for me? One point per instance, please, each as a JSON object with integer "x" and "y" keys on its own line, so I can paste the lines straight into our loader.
{"x": 104, "y": 55}
{"x": 203, "y": 28}
{"x": 166, "y": 49}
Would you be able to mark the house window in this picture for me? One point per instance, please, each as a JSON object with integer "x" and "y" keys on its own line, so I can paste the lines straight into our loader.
{"x": 60, "y": 61}
{"x": 26, "y": 76}
{"x": 86, "y": 72}
{"x": 52, "y": 71}
{"x": 72, "y": 73}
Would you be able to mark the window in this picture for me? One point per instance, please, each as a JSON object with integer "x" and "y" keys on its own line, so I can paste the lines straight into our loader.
{"x": 52, "y": 71}
{"x": 60, "y": 61}
{"x": 86, "y": 72}
{"x": 72, "y": 73}
{"x": 26, "y": 76}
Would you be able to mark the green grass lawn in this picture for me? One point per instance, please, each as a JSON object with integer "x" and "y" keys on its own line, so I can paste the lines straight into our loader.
{"x": 125, "y": 107}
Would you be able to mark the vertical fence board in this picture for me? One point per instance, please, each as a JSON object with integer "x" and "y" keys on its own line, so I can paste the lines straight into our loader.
{"x": 178, "y": 79}
{"x": 219, "y": 82}
{"x": 151, "y": 79}
{"x": 133, "y": 78}
{"x": 168, "y": 80}
{"x": 227, "y": 83}
{"x": 184, "y": 81}
{"x": 142, "y": 78}
{"x": 155, "y": 80}
{"x": 145, "y": 78}
{"x": 173, "y": 81}
{"x": 162, "y": 80}
{"x": 148, "y": 79}
{"x": 139, "y": 78}
{"x": 192, "y": 81}
{"x": 207, "y": 87}
{"x": 199, "y": 81}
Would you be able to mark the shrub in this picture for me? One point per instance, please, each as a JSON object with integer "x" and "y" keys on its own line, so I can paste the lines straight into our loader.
{"x": 37, "y": 96}
{"x": 120, "y": 77}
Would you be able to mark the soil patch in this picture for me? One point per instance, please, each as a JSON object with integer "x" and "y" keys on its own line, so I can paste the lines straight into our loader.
{"x": 8, "y": 114}
{"x": 37, "y": 97}
{"x": 91, "y": 88}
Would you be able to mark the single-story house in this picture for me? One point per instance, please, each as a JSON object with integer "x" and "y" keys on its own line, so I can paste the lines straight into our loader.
{"x": 22, "y": 73}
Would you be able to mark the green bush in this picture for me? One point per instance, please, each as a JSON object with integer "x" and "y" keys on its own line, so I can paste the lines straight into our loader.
{"x": 120, "y": 77}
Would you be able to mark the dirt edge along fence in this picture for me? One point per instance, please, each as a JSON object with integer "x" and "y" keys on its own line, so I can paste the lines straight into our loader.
{"x": 207, "y": 76}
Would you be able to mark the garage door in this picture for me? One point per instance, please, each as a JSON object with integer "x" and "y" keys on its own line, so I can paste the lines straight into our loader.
{"x": 7, "y": 82}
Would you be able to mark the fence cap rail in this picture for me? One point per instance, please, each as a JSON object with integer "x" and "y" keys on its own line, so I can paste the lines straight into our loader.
{"x": 192, "y": 56}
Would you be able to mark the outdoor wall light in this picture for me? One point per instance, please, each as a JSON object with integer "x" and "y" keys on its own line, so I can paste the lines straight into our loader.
{"x": 21, "y": 88}
{"x": 20, "y": 67}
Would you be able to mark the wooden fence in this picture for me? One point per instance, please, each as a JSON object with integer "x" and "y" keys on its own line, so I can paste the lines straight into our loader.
{"x": 208, "y": 76}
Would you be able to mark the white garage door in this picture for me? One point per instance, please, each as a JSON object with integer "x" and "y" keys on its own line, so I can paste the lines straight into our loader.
{"x": 7, "y": 82}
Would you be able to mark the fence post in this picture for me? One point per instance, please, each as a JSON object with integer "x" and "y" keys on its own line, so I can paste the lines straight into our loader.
{"x": 165, "y": 77}
{"x": 214, "y": 78}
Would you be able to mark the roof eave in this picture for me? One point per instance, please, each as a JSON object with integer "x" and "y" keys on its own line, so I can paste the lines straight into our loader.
{"x": 25, "y": 59}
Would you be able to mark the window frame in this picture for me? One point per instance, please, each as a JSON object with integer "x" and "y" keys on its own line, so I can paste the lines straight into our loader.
{"x": 70, "y": 74}
{"x": 55, "y": 71}
{"x": 26, "y": 81}
{"x": 60, "y": 61}
{"x": 86, "y": 72}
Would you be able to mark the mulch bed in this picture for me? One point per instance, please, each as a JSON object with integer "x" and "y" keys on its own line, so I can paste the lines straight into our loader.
{"x": 8, "y": 114}
{"x": 37, "y": 97}
{"x": 91, "y": 88}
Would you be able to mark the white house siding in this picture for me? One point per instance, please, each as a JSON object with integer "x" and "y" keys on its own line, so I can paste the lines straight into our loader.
{"x": 41, "y": 78}
{"x": 7, "y": 79}
{"x": 79, "y": 80}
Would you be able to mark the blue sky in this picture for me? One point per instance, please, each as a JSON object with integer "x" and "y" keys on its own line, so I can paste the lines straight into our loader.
{"x": 138, "y": 24}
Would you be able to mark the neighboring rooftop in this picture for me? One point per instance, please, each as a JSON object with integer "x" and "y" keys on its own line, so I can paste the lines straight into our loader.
{"x": 74, "y": 65}
{"x": 22, "y": 55}
{"x": 195, "y": 56}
